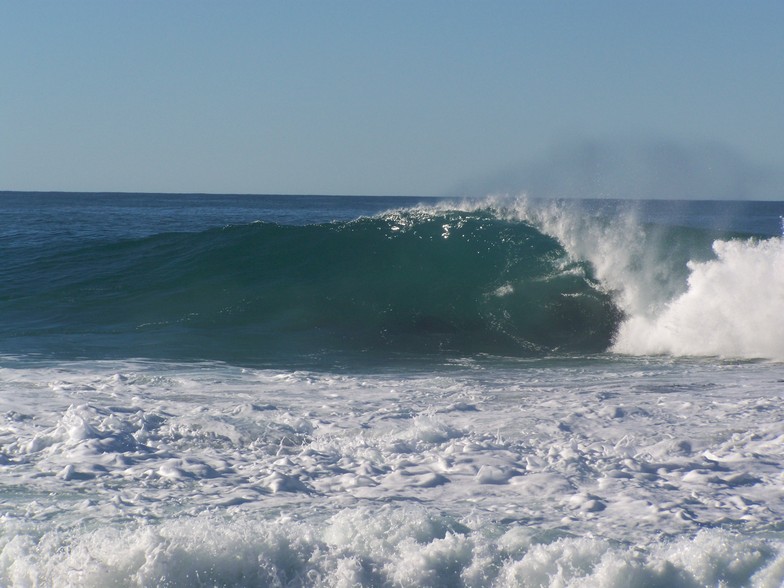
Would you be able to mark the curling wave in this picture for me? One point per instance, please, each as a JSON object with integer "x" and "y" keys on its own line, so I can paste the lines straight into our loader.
{"x": 414, "y": 281}
{"x": 682, "y": 291}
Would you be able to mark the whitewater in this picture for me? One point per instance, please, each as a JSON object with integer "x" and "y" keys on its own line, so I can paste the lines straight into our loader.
{"x": 319, "y": 391}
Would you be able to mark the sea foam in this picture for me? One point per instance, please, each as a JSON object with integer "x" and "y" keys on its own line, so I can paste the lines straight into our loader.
{"x": 733, "y": 307}
{"x": 375, "y": 547}
{"x": 617, "y": 473}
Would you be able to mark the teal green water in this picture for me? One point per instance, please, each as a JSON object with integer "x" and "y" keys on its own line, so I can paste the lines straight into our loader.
{"x": 462, "y": 282}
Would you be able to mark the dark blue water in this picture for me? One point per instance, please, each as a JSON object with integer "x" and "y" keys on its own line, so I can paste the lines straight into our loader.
{"x": 41, "y": 219}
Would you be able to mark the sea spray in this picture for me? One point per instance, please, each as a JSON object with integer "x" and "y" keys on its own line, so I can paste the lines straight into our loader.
{"x": 627, "y": 257}
{"x": 642, "y": 265}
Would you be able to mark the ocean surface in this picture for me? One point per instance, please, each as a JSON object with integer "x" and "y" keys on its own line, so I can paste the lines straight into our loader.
{"x": 201, "y": 390}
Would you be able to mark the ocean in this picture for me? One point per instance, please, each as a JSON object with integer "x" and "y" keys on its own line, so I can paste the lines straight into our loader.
{"x": 219, "y": 390}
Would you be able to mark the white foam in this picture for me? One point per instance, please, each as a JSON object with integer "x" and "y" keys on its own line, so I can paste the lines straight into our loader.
{"x": 478, "y": 474}
{"x": 361, "y": 547}
{"x": 734, "y": 307}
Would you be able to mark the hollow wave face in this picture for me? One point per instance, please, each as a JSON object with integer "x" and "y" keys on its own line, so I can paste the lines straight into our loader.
{"x": 415, "y": 281}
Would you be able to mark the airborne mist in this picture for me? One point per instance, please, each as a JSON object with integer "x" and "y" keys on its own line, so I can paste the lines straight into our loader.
{"x": 634, "y": 169}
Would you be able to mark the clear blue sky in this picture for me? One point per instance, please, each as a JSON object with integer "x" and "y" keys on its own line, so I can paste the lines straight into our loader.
{"x": 386, "y": 97}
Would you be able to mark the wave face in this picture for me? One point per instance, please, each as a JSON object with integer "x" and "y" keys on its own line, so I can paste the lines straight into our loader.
{"x": 417, "y": 280}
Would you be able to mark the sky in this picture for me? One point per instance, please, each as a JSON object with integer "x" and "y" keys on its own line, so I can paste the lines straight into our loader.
{"x": 394, "y": 97}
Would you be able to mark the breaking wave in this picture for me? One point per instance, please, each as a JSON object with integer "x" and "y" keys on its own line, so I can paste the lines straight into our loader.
{"x": 499, "y": 276}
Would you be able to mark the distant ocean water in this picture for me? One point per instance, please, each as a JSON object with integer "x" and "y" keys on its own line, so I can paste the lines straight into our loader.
{"x": 229, "y": 390}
